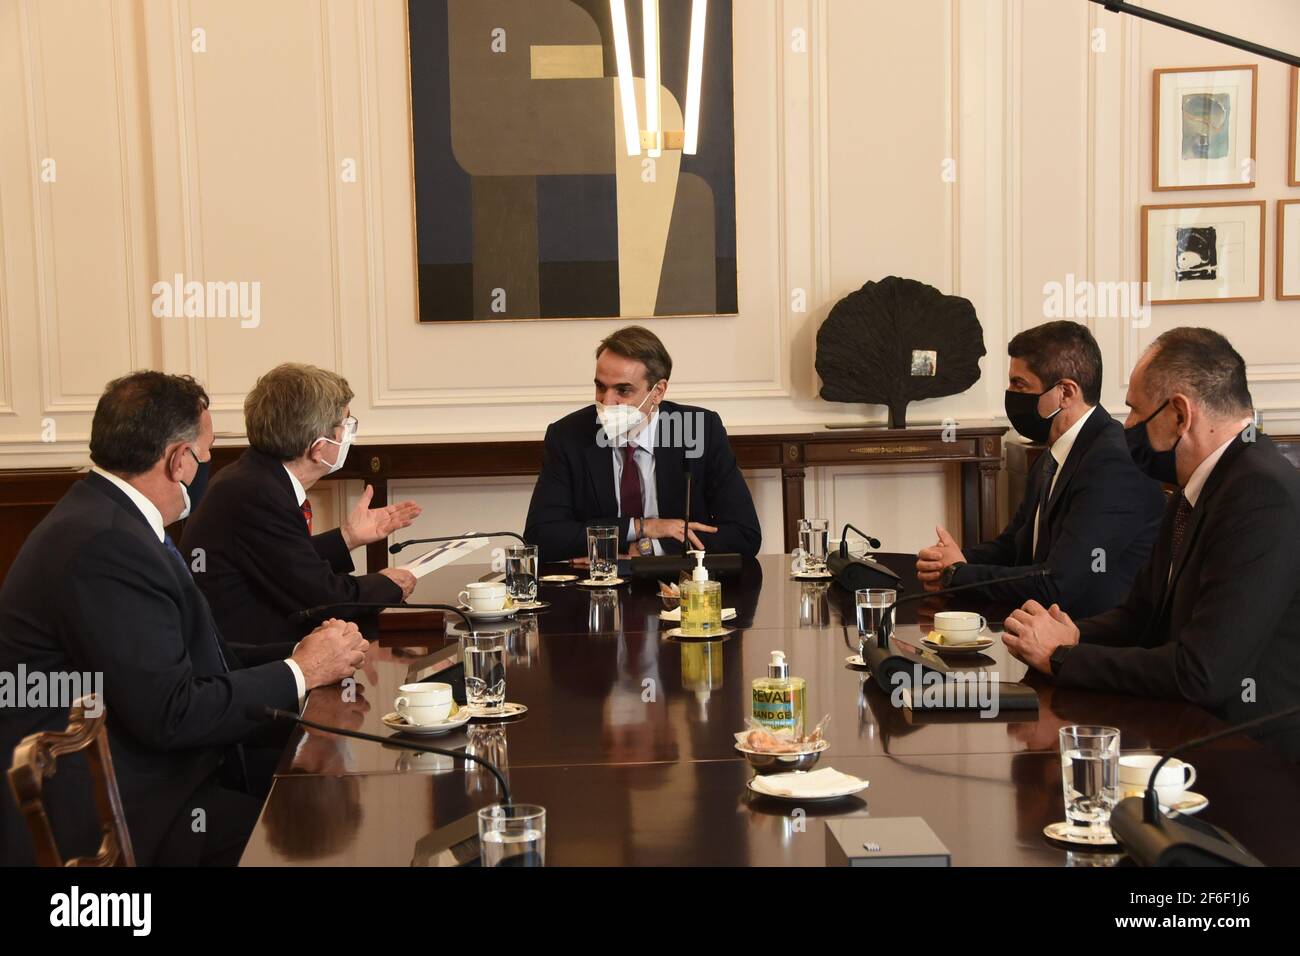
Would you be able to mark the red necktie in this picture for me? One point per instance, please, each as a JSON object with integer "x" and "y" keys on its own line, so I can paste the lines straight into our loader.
{"x": 306, "y": 513}
{"x": 629, "y": 486}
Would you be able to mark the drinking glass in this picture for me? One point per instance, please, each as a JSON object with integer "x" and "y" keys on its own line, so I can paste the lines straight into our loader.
{"x": 521, "y": 573}
{"x": 484, "y": 656}
{"x": 512, "y": 834}
{"x": 813, "y": 536}
{"x": 873, "y": 605}
{"x": 602, "y": 551}
{"x": 1089, "y": 775}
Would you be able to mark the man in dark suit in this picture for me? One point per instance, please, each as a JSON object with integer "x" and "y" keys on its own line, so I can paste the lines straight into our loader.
{"x": 261, "y": 560}
{"x": 99, "y": 588}
{"x": 1214, "y": 616}
{"x": 624, "y": 463}
{"x": 1088, "y": 515}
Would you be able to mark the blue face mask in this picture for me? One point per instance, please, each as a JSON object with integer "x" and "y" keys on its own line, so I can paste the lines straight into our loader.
{"x": 1159, "y": 465}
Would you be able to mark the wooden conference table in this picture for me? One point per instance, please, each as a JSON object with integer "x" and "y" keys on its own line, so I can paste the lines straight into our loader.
{"x": 628, "y": 742}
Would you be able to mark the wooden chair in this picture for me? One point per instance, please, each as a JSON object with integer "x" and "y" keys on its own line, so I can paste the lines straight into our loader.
{"x": 34, "y": 761}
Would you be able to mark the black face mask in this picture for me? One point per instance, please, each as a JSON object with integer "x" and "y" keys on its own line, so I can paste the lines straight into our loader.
{"x": 1022, "y": 412}
{"x": 195, "y": 488}
{"x": 1159, "y": 465}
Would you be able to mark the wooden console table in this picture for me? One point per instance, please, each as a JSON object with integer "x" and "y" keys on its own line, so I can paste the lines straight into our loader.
{"x": 26, "y": 495}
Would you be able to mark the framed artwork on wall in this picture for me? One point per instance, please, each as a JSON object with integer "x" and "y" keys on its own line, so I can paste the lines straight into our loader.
{"x": 1203, "y": 252}
{"x": 1203, "y": 128}
{"x": 1293, "y": 141}
{"x": 529, "y": 203}
{"x": 1288, "y": 249}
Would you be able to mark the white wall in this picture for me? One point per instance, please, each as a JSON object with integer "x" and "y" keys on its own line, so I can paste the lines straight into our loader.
{"x": 224, "y": 165}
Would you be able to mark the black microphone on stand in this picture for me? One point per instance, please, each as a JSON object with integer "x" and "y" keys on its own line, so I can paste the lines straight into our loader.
{"x": 844, "y": 539}
{"x": 1153, "y": 839}
{"x": 306, "y": 614}
{"x": 398, "y": 546}
{"x": 854, "y": 574}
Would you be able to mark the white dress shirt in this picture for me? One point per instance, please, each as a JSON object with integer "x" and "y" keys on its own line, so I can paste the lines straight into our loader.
{"x": 644, "y": 456}
{"x": 1196, "y": 483}
{"x": 155, "y": 519}
{"x": 1060, "y": 450}
{"x": 298, "y": 490}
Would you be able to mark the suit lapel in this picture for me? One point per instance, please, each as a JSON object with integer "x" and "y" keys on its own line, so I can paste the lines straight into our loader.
{"x": 670, "y": 482}
{"x": 1093, "y": 427}
{"x": 600, "y": 468}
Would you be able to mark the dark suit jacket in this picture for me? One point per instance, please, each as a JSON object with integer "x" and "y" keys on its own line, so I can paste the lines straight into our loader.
{"x": 1225, "y": 632}
{"x": 93, "y": 590}
{"x": 1100, "y": 501}
{"x": 262, "y": 565}
{"x": 576, "y": 485}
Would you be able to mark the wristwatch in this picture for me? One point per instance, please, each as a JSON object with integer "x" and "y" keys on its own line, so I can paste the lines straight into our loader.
{"x": 945, "y": 576}
{"x": 1058, "y": 657}
{"x": 644, "y": 546}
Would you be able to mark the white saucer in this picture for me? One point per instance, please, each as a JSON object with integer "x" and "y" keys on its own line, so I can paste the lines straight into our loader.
{"x": 848, "y": 791}
{"x": 856, "y": 662}
{"x": 525, "y": 607}
{"x": 1065, "y": 832}
{"x": 1189, "y": 804}
{"x": 974, "y": 647}
{"x": 558, "y": 578}
{"x": 608, "y": 583}
{"x": 675, "y": 633}
{"x": 396, "y": 722}
{"x": 499, "y": 615}
{"x": 811, "y": 576}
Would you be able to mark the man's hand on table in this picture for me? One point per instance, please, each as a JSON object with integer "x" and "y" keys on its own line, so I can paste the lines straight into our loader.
{"x": 1033, "y": 632}
{"x": 931, "y": 561}
{"x": 330, "y": 653}
{"x": 402, "y": 578}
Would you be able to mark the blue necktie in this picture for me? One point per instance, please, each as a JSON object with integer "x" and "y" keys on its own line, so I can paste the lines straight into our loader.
{"x": 212, "y": 625}
{"x": 175, "y": 552}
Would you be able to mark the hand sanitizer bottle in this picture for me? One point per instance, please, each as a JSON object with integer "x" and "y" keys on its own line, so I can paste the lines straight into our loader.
{"x": 701, "y": 602}
{"x": 781, "y": 701}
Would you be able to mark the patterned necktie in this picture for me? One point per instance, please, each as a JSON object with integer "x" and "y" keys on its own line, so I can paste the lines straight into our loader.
{"x": 306, "y": 513}
{"x": 631, "y": 504}
{"x": 1180, "y": 528}
{"x": 1044, "y": 494}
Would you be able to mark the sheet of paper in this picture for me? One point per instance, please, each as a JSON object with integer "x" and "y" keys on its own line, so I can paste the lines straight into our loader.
{"x": 444, "y": 553}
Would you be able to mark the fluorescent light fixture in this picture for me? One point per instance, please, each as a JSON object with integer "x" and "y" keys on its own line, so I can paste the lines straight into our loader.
{"x": 695, "y": 76}
{"x": 627, "y": 92}
{"x": 653, "y": 118}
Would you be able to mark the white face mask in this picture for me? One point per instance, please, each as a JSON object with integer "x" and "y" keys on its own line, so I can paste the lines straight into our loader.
{"x": 619, "y": 421}
{"x": 344, "y": 445}
{"x": 185, "y": 496}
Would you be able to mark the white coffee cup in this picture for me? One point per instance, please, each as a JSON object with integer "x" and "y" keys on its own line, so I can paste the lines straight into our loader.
{"x": 421, "y": 704}
{"x": 959, "y": 627}
{"x": 484, "y": 596}
{"x": 1174, "y": 777}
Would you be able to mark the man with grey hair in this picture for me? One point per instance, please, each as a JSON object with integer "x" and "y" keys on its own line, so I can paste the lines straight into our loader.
{"x": 99, "y": 586}
{"x": 263, "y": 558}
{"x": 1214, "y": 617}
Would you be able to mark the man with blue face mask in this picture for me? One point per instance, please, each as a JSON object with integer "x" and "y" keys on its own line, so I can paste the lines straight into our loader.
{"x": 624, "y": 463}
{"x": 1214, "y": 617}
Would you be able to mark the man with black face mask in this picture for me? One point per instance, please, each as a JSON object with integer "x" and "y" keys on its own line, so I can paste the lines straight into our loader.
{"x": 1214, "y": 616}
{"x": 1088, "y": 515}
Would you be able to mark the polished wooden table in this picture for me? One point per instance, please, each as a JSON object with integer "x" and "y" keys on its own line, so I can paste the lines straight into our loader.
{"x": 628, "y": 741}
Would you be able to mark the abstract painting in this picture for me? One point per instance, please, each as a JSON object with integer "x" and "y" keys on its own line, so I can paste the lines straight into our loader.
{"x": 527, "y": 204}
{"x": 1207, "y": 252}
{"x": 1204, "y": 128}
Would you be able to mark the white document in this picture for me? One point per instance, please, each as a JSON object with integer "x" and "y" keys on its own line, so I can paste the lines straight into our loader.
{"x": 444, "y": 553}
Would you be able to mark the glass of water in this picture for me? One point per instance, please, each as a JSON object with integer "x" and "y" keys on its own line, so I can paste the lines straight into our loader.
{"x": 484, "y": 657}
{"x": 512, "y": 834}
{"x": 602, "y": 551}
{"x": 875, "y": 623}
{"x": 521, "y": 573}
{"x": 1090, "y": 775}
{"x": 813, "y": 536}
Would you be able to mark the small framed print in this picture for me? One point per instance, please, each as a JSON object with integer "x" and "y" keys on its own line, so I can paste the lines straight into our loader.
{"x": 1288, "y": 249}
{"x": 1203, "y": 252}
{"x": 1204, "y": 127}
{"x": 925, "y": 362}
{"x": 1293, "y": 157}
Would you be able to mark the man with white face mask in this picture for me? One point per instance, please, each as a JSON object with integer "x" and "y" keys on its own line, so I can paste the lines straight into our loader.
{"x": 263, "y": 557}
{"x": 624, "y": 462}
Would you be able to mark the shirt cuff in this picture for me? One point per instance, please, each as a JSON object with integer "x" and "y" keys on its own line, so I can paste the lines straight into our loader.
{"x": 298, "y": 679}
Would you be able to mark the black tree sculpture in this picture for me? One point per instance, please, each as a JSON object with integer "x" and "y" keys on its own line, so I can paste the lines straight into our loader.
{"x": 896, "y": 341}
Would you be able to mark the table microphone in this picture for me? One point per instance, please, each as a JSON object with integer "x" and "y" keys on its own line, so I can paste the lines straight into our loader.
{"x": 844, "y": 539}
{"x": 304, "y": 616}
{"x": 854, "y": 574}
{"x": 1153, "y": 839}
{"x": 398, "y": 546}
{"x": 277, "y": 714}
